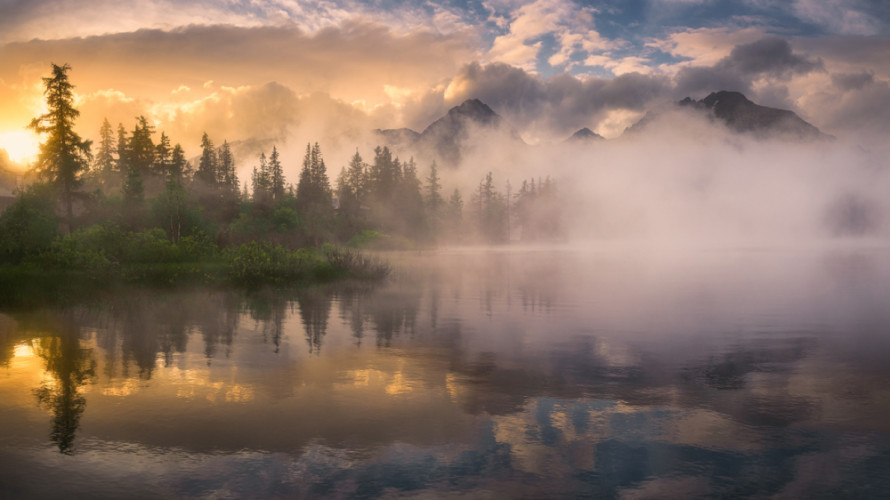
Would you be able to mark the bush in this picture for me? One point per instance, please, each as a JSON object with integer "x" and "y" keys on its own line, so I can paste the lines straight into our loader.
{"x": 30, "y": 225}
{"x": 285, "y": 219}
{"x": 256, "y": 262}
{"x": 364, "y": 238}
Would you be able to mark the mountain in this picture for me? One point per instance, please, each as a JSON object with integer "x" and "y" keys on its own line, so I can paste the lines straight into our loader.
{"x": 741, "y": 115}
{"x": 446, "y": 138}
{"x": 398, "y": 137}
{"x": 585, "y": 136}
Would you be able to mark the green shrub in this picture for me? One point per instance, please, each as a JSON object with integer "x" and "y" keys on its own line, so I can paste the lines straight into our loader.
{"x": 30, "y": 225}
{"x": 285, "y": 219}
{"x": 364, "y": 238}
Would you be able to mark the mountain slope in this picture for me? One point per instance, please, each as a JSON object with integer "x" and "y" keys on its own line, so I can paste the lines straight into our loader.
{"x": 447, "y": 136}
{"x": 741, "y": 115}
{"x": 585, "y": 136}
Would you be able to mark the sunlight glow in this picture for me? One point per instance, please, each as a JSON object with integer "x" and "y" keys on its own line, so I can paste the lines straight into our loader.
{"x": 23, "y": 351}
{"x": 21, "y": 145}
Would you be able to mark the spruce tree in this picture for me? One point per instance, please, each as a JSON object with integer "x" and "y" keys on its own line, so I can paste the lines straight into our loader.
{"x": 277, "y": 174}
{"x": 122, "y": 150}
{"x": 226, "y": 175}
{"x": 313, "y": 187}
{"x": 178, "y": 165}
{"x": 207, "y": 166}
{"x": 64, "y": 156}
{"x": 163, "y": 156}
{"x": 141, "y": 148}
{"x": 104, "y": 164}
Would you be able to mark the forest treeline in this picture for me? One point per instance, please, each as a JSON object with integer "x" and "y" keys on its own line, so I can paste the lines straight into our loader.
{"x": 134, "y": 193}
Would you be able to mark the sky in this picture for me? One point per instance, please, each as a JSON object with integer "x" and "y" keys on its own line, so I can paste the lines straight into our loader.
{"x": 286, "y": 72}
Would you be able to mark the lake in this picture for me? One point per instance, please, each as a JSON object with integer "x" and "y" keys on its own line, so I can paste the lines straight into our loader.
{"x": 603, "y": 372}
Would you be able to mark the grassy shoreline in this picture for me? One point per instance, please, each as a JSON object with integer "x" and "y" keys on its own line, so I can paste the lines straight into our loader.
{"x": 99, "y": 259}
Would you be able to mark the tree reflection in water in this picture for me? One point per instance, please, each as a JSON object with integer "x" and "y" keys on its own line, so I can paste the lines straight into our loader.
{"x": 70, "y": 366}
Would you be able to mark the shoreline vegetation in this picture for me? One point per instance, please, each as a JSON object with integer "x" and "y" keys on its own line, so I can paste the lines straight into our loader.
{"x": 138, "y": 211}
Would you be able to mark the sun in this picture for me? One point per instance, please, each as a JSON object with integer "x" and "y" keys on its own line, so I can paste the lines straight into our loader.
{"x": 21, "y": 145}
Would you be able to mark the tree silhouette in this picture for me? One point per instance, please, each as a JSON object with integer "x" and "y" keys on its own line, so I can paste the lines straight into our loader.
{"x": 70, "y": 366}
{"x": 105, "y": 158}
{"x": 277, "y": 176}
{"x": 64, "y": 156}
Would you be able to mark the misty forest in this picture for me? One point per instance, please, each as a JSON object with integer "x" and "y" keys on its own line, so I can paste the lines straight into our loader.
{"x": 531, "y": 249}
{"x": 133, "y": 202}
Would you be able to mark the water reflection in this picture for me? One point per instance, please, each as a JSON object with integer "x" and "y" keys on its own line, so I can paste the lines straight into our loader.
{"x": 521, "y": 373}
{"x": 68, "y": 366}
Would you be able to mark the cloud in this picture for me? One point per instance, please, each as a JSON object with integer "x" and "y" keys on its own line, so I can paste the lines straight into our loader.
{"x": 849, "y": 17}
{"x": 705, "y": 46}
{"x": 850, "y": 54}
{"x": 855, "y": 81}
{"x": 545, "y": 108}
{"x": 252, "y": 118}
{"x": 858, "y": 106}
{"x": 355, "y": 61}
{"x": 568, "y": 25}
{"x": 59, "y": 19}
{"x": 769, "y": 57}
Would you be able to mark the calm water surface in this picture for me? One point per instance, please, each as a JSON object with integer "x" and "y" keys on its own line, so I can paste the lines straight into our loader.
{"x": 480, "y": 374}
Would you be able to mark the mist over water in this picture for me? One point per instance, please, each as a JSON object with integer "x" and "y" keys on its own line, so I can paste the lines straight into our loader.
{"x": 685, "y": 179}
{"x": 549, "y": 372}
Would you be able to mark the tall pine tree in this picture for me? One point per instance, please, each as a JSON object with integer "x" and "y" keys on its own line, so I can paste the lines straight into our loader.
{"x": 63, "y": 156}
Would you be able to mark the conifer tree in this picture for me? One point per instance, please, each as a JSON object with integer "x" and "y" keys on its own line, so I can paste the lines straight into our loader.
{"x": 453, "y": 216}
{"x": 163, "y": 156}
{"x": 351, "y": 186}
{"x": 133, "y": 189}
{"x": 277, "y": 176}
{"x": 313, "y": 187}
{"x": 141, "y": 148}
{"x": 433, "y": 188}
{"x": 104, "y": 164}
{"x": 207, "y": 167}
{"x": 121, "y": 149}
{"x": 409, "y": 202}
{"x": 64, "y": 156}
{"x": 178, "y": 165}
{"x": 262, "y": 183}
{"x": 226, "y": 175}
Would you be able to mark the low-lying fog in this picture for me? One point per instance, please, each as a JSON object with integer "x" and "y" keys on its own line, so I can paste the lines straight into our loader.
{"x": 688, "y": 179}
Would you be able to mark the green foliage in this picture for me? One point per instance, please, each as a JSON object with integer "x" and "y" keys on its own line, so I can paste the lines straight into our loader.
{"x": 285, "y": 219}
{"x": 30, "y": 225}
{"x": 176, "y": 212}
{"x": 133, "y": 190}
{"x": 364, "y": 238}
{"x": 254, "y": 263}
{"x": 259, "y": 263}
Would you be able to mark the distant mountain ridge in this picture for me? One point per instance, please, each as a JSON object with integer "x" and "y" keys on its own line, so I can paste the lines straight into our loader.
{"x": 445, "y": 137}
{"x": 585, "y": 135}
{"x": 743, "y": 116}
